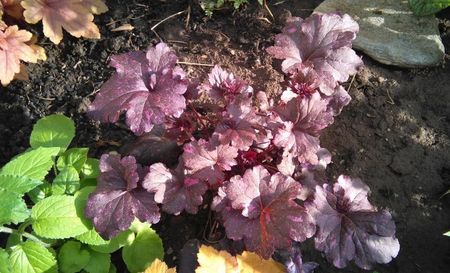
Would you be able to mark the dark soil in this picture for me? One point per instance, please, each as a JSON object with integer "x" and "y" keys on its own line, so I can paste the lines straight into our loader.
{"x": 395, "y": 134}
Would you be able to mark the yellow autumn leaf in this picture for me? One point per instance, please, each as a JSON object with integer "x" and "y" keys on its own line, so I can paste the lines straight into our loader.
{"x": 211, "y": 260}
{"x": 250, "y": 262}
{"x": 159, "y": 267}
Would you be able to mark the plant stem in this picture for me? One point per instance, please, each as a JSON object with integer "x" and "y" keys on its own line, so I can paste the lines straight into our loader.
{"x": 24, "y": 234}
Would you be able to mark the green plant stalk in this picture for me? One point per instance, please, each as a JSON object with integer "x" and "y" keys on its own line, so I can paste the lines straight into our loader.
{"x": 24, "y": 234}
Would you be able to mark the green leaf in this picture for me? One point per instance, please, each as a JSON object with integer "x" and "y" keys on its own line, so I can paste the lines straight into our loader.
{"x": 13, "y": 239}
{"x": 122, "y": 239}
{"x": 4, "y": 262}
{"x": 143, "y": 251}
{"x": 17, "y": 184}
{"x": 99, "y": 262}
{"x": 72, "y": 258}
{"x": 41, "y": 192}
{"x": 91, "y": 238}
{"x": 90, "y": 168}
{"x": 75, "y": 157}
{"x": 428, "y": 7}
{"x": 90, "y": 182}
{"x": 58, "y": 217}
{"x": 33, "y": 164}
{"x": 53, "y": 131}
{"x": 112, "y": 269}
{"x": 447, "y": 233}
{"x": 67, "y": 181}
{"x": 31, "y": 257}
{"x": 13, "y": 208}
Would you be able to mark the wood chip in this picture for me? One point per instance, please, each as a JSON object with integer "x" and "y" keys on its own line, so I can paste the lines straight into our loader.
{"x": 125, "y": 27}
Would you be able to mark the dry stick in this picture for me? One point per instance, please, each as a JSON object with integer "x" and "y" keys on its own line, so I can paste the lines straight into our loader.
{"x": 390, "y": 101}
{"x": 162, "y": 21}
{"x": 213, "y": 226}
{"x": 268, "y": 10}
{"x": 197, "y": 64}
{"x": 188, "y": 17}
{"x": 167, "y": 18}
{"x": 351, "y": 83}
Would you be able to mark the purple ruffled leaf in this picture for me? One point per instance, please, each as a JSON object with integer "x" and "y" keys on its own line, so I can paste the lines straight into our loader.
{"x": 173, "y": 189}
{"x": 302, "y": 121}
{"x": 240, "y": 126}
{"x": 224, "y": 86}
{"x": 207, "y": 161}
{"x": 119, "y": 197}
{"x": 260, "y": 209}
{"x": 323, "y": 42}
{"x": 349, "y": 227}
{"x": 148, "y": 87}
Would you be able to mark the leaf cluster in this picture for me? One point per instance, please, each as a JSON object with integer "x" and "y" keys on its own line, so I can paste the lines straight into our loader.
{"x": 45, "y": 220}
{"x": 259, "y": 156}
{"x": 428, "y": 7}
{"x": 17, "y": 45}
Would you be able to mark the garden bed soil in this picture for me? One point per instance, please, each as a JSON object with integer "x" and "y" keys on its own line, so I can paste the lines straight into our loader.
{"x": 394, "y": 134}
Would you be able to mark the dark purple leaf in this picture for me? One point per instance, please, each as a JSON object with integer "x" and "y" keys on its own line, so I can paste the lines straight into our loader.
{"x": 174, "y": 189}
{"x": 302, "y": 121}
{"x": 148, "y": 87}
{"x": 152, "y": 148}
{"x": 240, "y": 126}
{"x": 207, "y": 161}
{"x": 224, "y": 86}
{"x": 349, "y": 227}
{"x": 260, "y": 209}
{"x": 322, "y": 42}
{"x": 119, "y": 197}
{"x": 294, "y": 262}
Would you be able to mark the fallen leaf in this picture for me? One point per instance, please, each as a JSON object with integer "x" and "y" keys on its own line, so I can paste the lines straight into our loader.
{"x": 159, "y": 267}
{"x": 212, "y": 260}
{"x": 74, "y": 16}
{"x": 15, "y": 46}
{"x": 250, "y": 262}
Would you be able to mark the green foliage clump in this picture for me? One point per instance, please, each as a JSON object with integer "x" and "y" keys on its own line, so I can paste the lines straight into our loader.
{"x": 43, "y": 194}
{"x": 428, "y": 7}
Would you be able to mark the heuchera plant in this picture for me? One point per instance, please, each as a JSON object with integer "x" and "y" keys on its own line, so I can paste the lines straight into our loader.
{"x": 260, "y": 157}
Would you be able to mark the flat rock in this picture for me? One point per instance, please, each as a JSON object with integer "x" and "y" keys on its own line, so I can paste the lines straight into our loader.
{"x": 390, "y": 33}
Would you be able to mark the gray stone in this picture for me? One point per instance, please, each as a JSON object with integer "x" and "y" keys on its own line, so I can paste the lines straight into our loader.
{"x": 390, "y": 33}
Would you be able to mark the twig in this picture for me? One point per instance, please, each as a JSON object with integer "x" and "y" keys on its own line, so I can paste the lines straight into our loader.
{"x": 188, "y": 17}
{"x": 157, "y": 35}
{"x": 265, "y": 20}
{"x": 167, "y": 18}
{"x": 24, "y": 234}
{"x": 268, "y": 9}
{"x": 197, "y": 64}
{"x": 213, "y": 226}
{"x": 390, "y": 101}
{"x": 351, "y": 83}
